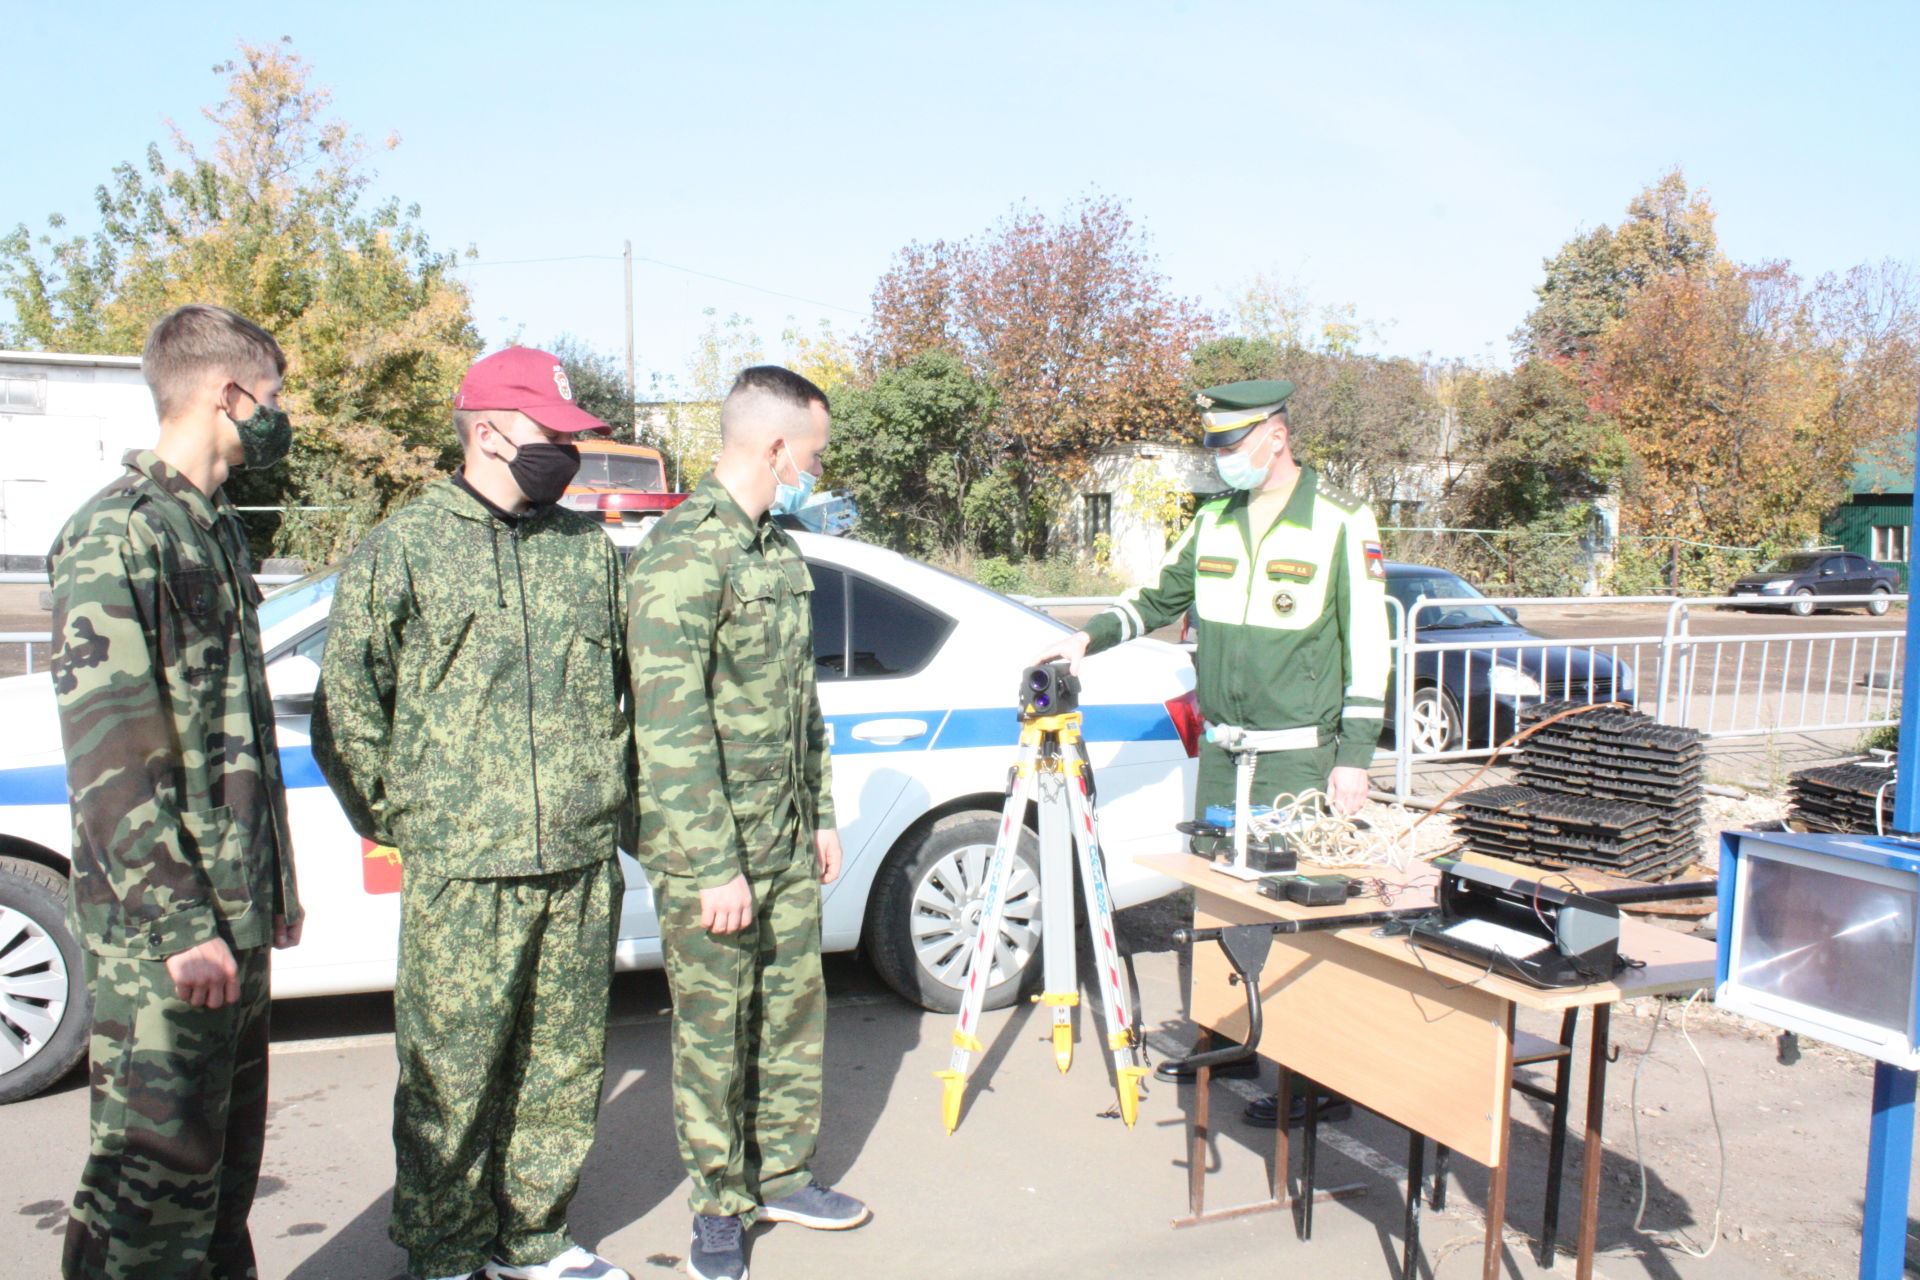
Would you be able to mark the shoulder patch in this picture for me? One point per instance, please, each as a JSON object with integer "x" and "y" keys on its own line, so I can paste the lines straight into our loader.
{"x": 1347, "y": 502}
{"x": 1376, "y": 560}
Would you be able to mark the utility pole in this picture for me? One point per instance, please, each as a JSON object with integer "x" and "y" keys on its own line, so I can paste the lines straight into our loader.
{"x": 633, "y": 412}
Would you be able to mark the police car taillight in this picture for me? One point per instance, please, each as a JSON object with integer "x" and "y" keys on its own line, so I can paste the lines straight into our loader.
{"x": 1185, "y": 711}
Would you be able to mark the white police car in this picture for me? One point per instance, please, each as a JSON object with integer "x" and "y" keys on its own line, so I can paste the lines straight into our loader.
{"x": 917, "y": 671}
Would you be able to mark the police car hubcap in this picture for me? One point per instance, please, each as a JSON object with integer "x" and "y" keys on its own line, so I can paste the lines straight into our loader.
{"x": 33, "y": 988}
{"x": 948, "y": 905}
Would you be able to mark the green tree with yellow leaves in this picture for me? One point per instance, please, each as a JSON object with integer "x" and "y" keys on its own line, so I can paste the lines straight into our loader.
{"x": 274, "y": 223}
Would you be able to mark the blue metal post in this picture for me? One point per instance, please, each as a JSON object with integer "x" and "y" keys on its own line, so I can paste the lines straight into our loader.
{"x": 1883, "y": 1236}
{"x": 1883, "y": 1241}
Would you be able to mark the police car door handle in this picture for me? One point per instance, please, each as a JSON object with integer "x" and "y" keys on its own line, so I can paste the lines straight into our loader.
{"x": 889, "y": 733}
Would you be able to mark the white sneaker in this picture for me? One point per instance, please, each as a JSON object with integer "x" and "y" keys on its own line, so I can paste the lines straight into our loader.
{"x": 575, "y": 1264}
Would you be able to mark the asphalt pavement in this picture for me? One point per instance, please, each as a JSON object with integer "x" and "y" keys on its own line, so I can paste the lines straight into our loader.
{"x": 1038, "y": 1181}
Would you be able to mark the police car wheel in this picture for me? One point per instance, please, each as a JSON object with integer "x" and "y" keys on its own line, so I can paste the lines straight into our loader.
{"x": 1434, "y": 721}
{"x": 46, "y": 1011}
{"x": 924, "y": 913}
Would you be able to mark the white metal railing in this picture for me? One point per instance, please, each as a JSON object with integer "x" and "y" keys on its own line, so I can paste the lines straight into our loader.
{"x": 1455, "y": 698}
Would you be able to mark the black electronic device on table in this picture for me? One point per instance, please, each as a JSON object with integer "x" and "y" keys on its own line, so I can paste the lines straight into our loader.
{"x": 1549, "y": 936}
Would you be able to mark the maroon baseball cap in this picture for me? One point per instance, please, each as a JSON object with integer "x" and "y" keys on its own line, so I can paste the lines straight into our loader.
{"x": 532, "y": 382}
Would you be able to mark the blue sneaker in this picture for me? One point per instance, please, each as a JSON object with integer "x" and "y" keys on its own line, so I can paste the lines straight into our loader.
{"x": 718, "y": 1251}
{"x": 821, "y": 1208}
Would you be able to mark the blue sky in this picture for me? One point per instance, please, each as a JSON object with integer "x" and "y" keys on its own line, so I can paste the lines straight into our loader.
{"x": 1417, "y": 160}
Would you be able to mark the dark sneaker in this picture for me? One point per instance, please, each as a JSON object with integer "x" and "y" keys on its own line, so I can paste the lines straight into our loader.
{"x": 1264, "y": 1113}
{"x": 575, "y": 1264}
{"x": 821, "y": 1208}
{"x": 718, "y": 1252}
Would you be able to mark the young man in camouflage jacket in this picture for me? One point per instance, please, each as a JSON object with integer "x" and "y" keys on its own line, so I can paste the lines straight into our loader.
{"x": 736, "y": 812}
{"x": 469, "y": 716}
{"x": 182, "y": 867}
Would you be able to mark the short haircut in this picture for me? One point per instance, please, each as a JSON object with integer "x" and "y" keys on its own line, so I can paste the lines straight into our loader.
{"x": 762, "y": 385}
{"x": 463, "y": 420}
{"x": 192, "y": 341}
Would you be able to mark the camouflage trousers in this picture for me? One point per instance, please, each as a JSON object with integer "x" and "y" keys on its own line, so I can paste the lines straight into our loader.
{"x": 178, "y": 1099}
{"x": 1278, "y": 771}
{"x": 749, "y": 1021}
{"x": 500, "y": 1023}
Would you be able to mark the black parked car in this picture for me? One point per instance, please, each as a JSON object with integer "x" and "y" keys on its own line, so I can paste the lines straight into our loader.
{"x": 1472, "y": 697}
{"x": 1798, "y": 581}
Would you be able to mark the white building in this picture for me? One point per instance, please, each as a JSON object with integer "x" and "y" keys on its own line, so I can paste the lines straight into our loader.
{"x": 1130, "y": 491}
{"x": 65, "y": 422}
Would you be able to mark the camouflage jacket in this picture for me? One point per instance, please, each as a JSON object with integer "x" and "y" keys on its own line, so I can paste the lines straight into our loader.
{"x": 732, "y": 749}
{"x": 469, "y": 704}
{"x": 179, "y": 817}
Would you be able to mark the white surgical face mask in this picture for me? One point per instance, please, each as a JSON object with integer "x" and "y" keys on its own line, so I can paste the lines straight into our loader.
{"x": 1237, "y": 469}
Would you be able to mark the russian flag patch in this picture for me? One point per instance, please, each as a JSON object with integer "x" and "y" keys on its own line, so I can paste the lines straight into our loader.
{"x": 1376, "y": 561}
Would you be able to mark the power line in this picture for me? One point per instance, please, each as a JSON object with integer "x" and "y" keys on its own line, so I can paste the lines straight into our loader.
{"x": 670, "y": 266}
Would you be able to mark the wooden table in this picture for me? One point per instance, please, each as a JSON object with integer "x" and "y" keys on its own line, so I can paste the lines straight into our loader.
{"x": 1416, "y": 1036}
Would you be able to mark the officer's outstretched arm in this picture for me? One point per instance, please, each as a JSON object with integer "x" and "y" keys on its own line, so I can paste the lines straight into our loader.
{"x": 1151, "y": 605}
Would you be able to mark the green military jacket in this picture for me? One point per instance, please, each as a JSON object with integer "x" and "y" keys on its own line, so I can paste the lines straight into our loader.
{"x": 734, "y": 766}
{"x": 179, "y": 817}
{"x": 1292, "y": 624}
{"x": 469, "y": 704}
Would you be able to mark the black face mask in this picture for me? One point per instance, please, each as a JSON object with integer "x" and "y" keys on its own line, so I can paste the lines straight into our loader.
{"x": 265, "y": 435}
{"x": 544, "y": 470}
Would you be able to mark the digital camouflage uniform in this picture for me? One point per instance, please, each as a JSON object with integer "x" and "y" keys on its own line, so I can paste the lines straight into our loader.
{"x": 1291, "y": 632}
{"x": 734, "y": 779}
{"x": 179, "y": 837}
{"x": 468, "y": 715}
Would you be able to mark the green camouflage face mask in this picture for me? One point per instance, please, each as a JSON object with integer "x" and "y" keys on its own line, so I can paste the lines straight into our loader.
{"x": 265, "y": 436}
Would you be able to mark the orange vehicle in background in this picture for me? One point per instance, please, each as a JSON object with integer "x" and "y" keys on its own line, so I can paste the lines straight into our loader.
{"x": 626, "y": 484}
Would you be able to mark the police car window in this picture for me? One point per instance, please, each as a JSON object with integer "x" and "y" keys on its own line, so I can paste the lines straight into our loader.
{"x": 892, "y": 635}
{"x": 829, "y": 623}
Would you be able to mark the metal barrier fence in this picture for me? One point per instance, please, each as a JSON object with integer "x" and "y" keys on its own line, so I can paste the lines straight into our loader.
{"x": 1455, "y": 696}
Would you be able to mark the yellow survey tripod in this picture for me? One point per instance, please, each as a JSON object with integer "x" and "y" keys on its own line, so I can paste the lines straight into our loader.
{"x": 1053, "y": 772}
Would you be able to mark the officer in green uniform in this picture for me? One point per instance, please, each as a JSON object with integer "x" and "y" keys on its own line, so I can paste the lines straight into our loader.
{"x": 182, "y": 867}
{"x": 736, "y": 819}
{"x": 469, "y": 715}
{"x": 1286, "y": 580}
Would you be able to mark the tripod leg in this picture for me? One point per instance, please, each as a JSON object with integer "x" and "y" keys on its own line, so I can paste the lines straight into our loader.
{"x": 1061, "y": 991}
{"x": 966, "y": 1032}
{"x": 1122, "y": 1036}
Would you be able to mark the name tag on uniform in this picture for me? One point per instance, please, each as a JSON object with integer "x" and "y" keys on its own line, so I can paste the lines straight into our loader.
{"x": 1216, "y": 566}
{"x": 1289, "y": 571}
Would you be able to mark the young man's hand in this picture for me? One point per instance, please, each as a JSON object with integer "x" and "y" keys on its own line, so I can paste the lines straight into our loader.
{"x": 826, "y": 843}
{"x": 206, "y": 976}
{"x": 287, "y": 935}
{"x": 1072, "y": 648}
{"x": 728, "y": 909}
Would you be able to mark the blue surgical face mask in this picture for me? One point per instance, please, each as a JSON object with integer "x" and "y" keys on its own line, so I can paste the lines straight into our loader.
{"x": 789, "y": 498}
{"x": 1238, "y": 471}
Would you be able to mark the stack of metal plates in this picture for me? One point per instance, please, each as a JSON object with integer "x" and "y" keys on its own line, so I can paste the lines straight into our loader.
{"x": 1843, "y": 798}
{"x": 1603, "y": 788}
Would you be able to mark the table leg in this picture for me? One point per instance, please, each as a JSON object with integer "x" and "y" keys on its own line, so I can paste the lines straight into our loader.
{"x": 1497, "y": 1175}
{"x": 1197, "y": 1145}
{"x": 1600, "y": 1031}
{"x": 1416, "y": 1175}
{"x": 1311, "y": 1136}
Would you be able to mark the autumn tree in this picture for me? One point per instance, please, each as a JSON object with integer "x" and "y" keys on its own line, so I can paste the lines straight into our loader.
{"x": 273, "y": 223}
{"x": 1747, "y": 397}
{"x": 1594, "y": 277}
{"x": 1540, "y": 455}
{"x": 1070, "y": 323}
